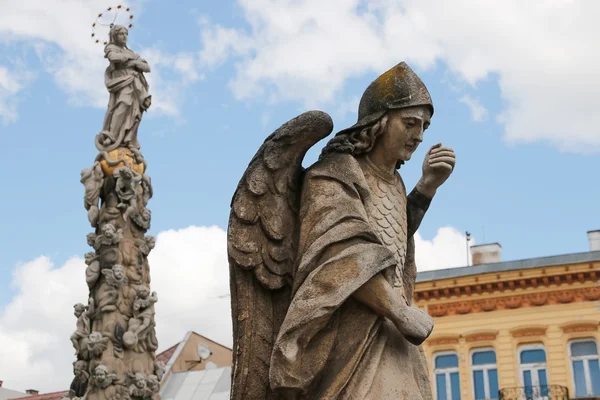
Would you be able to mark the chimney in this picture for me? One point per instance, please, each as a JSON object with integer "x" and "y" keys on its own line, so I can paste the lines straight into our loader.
{"x": 594, "y": 238}
{"x": 486, "y": 253}
{"x": 32, "y": 391}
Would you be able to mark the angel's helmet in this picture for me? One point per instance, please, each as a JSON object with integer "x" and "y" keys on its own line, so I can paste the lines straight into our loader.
{"x": 396, "y": 88}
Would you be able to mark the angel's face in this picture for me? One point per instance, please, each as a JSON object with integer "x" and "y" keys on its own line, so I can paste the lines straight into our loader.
{"x": 108, "y": 230}
{"x": 100, "y": 374}
{"x": 404, "y": 132}
{"x": 118, "y": 272}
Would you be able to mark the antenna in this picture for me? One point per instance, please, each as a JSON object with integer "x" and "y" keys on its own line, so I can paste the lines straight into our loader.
{"x": 468, "y": 236}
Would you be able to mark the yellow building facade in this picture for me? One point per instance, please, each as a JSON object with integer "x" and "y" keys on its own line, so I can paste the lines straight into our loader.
{"x": 523, "y": 329}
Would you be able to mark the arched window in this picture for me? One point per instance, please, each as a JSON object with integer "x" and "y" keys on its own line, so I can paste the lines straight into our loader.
{"x": 586, "y": 368}
{"x": 534, "y": 375}
{"x": 485, "y": 374}
{"x": 447, "y": 382}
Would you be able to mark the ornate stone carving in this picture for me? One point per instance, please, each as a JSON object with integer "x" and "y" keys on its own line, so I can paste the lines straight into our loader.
{"x": 347, "y": 224}
{"x": 142, "y": 218}
{"x": 126, "y": 187}
{"x": 96, "y": 344}
{"x": 93, "y": 180}
{"x": 117, "y": 190}
{"x": 80, "y": 381}
{"x": 83, "y": 326}
{"x": 102, "y": 378}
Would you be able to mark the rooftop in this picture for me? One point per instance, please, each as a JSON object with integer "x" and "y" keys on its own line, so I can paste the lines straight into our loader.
{"x": 565, "y": 259}
{"x": 208, "y": 384}
{"x": 45, "y": 396}
{"x": 6, "y": 394}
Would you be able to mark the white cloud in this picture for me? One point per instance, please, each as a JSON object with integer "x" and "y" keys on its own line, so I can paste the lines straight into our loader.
{"x": 446, "y": 250}
{"x": 307, "y": 49}
{"x": 11, "y": 82}
{"x": 189, "y": 271}
{"x": 60, "y": 33}
{"x": 478, "y": 111}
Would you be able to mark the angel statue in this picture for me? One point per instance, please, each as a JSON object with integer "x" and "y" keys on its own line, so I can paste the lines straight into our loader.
{"x": 322, "y": 260}
{"x": 129, "y": 98}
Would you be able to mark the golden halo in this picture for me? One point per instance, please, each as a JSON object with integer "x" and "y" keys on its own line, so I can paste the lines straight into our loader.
{"x": 119, "y": 15}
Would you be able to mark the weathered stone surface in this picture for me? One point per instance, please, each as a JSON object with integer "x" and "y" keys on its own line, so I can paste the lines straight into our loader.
{"x": 115, "y": 340}
{"x": 322, "y": 261}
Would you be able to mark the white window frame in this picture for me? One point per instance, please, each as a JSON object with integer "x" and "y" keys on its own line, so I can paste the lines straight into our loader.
{"x": 586, "y": 365}
{"x": 485, "y": 368}
{"x": 446, "y": 371}
{"x": 533, "y": 366}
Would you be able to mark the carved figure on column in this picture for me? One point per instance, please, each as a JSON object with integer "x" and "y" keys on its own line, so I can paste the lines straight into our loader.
{"x": 83, "y": 326}
{"x": 322, "y": 260}
{"x": 129, "y": 97}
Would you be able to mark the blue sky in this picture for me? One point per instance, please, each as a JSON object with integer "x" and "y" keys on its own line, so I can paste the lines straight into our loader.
{"x": 517, "y": 108}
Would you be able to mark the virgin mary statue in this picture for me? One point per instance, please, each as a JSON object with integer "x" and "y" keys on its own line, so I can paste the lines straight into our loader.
{"x": 129, "y": 97}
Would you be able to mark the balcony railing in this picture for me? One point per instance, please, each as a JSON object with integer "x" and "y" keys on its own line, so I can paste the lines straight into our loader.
{"x": 549, "y": 392}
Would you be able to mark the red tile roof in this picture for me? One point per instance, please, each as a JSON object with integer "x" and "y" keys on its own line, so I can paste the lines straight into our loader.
{"x": 166, "y": 355}
{"x": 45, "y": 396}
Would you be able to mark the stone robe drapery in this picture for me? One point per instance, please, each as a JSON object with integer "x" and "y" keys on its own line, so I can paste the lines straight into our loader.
{"x": 331, "y": 346}
{"x": 128, "y": 89}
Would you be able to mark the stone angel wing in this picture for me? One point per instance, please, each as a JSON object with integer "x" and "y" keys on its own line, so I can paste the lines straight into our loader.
{"x": 261, "y": 248}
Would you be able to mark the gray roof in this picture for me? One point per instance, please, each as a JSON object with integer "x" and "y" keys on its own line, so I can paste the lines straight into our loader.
{"x": 6, "y": 394}
{"x": 550, "y": 261}
{"x": 208, "y": 384}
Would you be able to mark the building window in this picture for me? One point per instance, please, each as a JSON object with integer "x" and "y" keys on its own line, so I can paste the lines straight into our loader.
{"x": 447, "y": 383}
{"x": 586, "y": 368}
{"x": 485, "y": 374}
{"x": 534, "y": 375}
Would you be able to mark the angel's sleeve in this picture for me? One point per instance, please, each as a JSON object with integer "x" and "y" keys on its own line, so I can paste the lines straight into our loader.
{"x": 416, "y": 207}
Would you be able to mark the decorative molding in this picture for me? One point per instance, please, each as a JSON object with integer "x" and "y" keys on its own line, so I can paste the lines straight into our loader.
{"x": 529, "y": 331}
{"x": 580, "y": 326}
{"x": 442, "y": 340}
{"x": 481, "y": 336}
{"x": 565, "y": 278}
{"x": 514, "y": 302}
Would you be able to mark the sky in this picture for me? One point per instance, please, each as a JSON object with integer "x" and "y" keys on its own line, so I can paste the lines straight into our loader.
{"x": 514, "y": 85}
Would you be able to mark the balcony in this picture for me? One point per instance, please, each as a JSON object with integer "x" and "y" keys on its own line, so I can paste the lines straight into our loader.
{"x": 549, "y": 392}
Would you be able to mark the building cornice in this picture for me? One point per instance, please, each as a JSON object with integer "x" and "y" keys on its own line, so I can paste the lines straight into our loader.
{"x": 506, "y": 284}
{"x": 514, "y": 301}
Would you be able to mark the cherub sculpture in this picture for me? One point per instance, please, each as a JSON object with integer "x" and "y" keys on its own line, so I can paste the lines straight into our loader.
{"x": 92, "y": 240}
{"x": 147, "y": 190}
{"x": 83, "y": 326}
{"x": 142, "y": 322}
{"x": 142, "y": 218}
{"x": 102, "y": 378}
{"x": 129, "y": 98}
{"x": 115, "y": 277}
{"x": 322, "y": 260}
{"x": 110, "y": 236}
{"x": 93, "y": 179}
{"x": 80, "y": 381}
{"x": 146, "y": 245}
{"x": 139, "y": 389}
{"x": 126, "y": 188}
{"x": 159, "y": 369}
{"x": 97, "y": 344}
{"x": 92, "y": 272}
